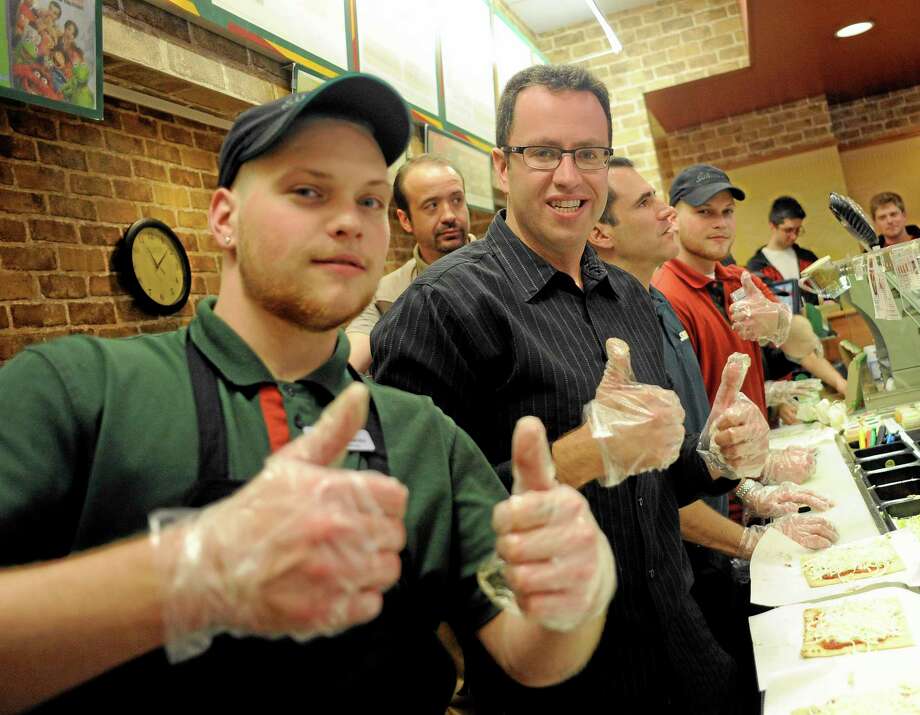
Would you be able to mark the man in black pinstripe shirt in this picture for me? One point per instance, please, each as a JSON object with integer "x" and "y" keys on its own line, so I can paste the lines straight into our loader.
{"x": 516, "y": 324}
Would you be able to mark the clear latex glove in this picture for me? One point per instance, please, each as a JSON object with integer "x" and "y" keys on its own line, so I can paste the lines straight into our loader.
{"x": 557, "y": 567}
{"x": 302, "y": 550}
{"x": 784, "y": 499}
{"x": 735, "y": 438}
{"x": 793, "y": 464}
{"x": 812, "y": 532}
{"x": 787, "y": 391}
{"x": 637, "y": 427}
{"x": 755, "y": 317}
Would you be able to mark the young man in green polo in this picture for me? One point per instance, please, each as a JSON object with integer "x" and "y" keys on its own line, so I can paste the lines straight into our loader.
{"x": 308, "y": 579}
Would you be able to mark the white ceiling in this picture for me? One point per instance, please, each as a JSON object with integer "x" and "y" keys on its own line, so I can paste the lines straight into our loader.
{"x": 547, "y": 15}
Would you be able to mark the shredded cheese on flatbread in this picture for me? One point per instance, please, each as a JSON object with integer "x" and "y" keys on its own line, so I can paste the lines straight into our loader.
{"x": 904, "y": 700}
{"x": 851, "y": 561}
{"x": 851, "y": 626}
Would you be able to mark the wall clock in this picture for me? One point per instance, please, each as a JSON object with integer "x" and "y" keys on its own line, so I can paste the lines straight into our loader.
{"x": 155, "y": 267}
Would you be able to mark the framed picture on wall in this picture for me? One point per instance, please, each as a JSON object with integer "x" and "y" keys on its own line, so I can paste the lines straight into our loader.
{"x": 51, "y": 54}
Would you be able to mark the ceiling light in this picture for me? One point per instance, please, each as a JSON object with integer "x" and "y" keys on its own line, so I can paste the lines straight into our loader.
{"x": 615, "y": 44}
{"x": 857, "y": 28}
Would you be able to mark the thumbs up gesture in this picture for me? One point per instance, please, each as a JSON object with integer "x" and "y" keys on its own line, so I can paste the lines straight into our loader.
{"x": 637, "y": 427}
{"x": 756, "y": 317}
{"x": 735, "y": 440}
{"x": 557, "y": 562}
{"x": 304, "y": 549}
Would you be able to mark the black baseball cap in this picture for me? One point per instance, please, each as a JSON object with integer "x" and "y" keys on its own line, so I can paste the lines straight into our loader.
{"x": 698, "y": 183}
{"x": 360, "y": 96}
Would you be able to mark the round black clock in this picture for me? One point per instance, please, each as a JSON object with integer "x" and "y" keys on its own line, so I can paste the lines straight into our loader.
{"x": 155, "y": 266}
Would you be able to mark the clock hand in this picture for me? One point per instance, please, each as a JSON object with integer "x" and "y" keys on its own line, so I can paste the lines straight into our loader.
{"x": 161, "y": 259}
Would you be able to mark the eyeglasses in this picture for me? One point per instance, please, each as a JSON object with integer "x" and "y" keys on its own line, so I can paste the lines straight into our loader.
{"x": 547, "y": 158}
{"x": 792, "y": 230}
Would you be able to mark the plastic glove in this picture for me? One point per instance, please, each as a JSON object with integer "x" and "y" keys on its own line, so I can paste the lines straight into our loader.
{"x": 302, "y": 550}
{"x": 755, "y": 317}
{"x": 785, "y": 499}
{"x": 793, "y": 464}
{"x": 735, "y": 438}
{"x": 638, "y": 427}
{"x": 558, "y": 564}
{"x": 812, "y": 532}
{"x": 787, "y": 391}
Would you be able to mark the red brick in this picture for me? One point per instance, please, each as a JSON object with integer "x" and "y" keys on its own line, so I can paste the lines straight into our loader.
{"x": 177, "y": 135}
{"x": 212, "y": 282}
{"x": 208, "y": 141}
{"x": 209, "y": 181}
{"x": 139, "y": 126}
{"x": 188, "y": 239}
{"x": 163, "y": 152}
{"x": 12, "y": 344}
{"x": 113, "y": 211}
{"x": 91, "y": 312}
{"x": 193, "y": 219}
{"x": 17, "y": 147}
{"x": 162, "y": 325}
{"x": 4, "y": 319}
{"x": 32, "y": 125}
{"x": 56, "y": 231}
{"x": 6, "y": 175}
{"x": 38, "y": 315}
{"x": 124, "y": 144}
{"x": 155, "y": 113}
{"x": 116, "y": 331}
{"x": 198, "y": 285}
{"x": 16, "y": 285}
{"x": 171, "y": 196}
{"x": 62, "y": 156}
{"x": 82, "y": 260}
{"x": 198, "y": 159}
{"x": 71, "y": 207}
{"x": 202, "y": 263}
{"x": 167, "y": 216}
{"x": 201, "y": 199}
{"x": 127, "y": 311}
{"x": 149, "y": 170}
{"x": 90, "y": 185}
{"x": 133, "y": 190}
{"x": 21, "y": 202}
{"x": 94, "y": 235}
{"x": 184, "y": 177}
{"x": 82, "y": 134}
{"x": 108, "y": 164}
{"x": 13, "y": 230}
{"x": 105, "y": 285}
{"x": 55, "y": 286}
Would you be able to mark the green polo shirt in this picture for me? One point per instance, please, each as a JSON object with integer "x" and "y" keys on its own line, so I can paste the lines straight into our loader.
{"x": 95, "y": 434}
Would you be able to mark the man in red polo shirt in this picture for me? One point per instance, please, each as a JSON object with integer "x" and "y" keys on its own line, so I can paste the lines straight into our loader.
{"x": 701, "y": 289}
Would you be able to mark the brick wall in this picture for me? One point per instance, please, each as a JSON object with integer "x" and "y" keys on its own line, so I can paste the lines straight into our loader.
{"x": 881, "y": 117}
{"x": 667, "y": 43}
{"x": 402, "y": 243}
{"x": 68, "y": 189}
{"x": 748, "y": 138}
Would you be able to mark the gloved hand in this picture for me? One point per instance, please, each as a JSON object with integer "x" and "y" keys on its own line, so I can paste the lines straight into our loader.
{"x": 755, "y": 317}
{"x": 812, "y": 532}
{"x": 638, "y": 427}
{"x": 793, "y": 464}
{"x": 787, "y": 391}
{"x": 302, "y": 550}
{"x": 762, "y": 501}
{"x": 735, "y": 439}
{"x": 557, "y": 562}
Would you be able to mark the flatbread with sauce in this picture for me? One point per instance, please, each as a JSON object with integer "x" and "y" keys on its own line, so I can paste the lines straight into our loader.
{"x": 851, "y": 562}
{"x": 855, "y": 627}
{"x": 903, "y": 700}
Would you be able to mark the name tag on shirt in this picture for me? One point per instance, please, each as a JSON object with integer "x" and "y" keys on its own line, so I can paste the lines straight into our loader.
{"x": 361, "y": 442}
{"x": 683, "y": 335}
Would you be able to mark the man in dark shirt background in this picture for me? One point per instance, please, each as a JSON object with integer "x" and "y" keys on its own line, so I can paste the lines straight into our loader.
{"x": 516, "y": 324}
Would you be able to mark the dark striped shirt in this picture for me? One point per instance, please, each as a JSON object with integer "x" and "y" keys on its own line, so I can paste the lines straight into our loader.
{"x": 492, "y": 333}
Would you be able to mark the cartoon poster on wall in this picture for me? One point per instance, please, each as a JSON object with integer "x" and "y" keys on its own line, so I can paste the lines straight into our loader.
{"x": 51, "y": 54}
